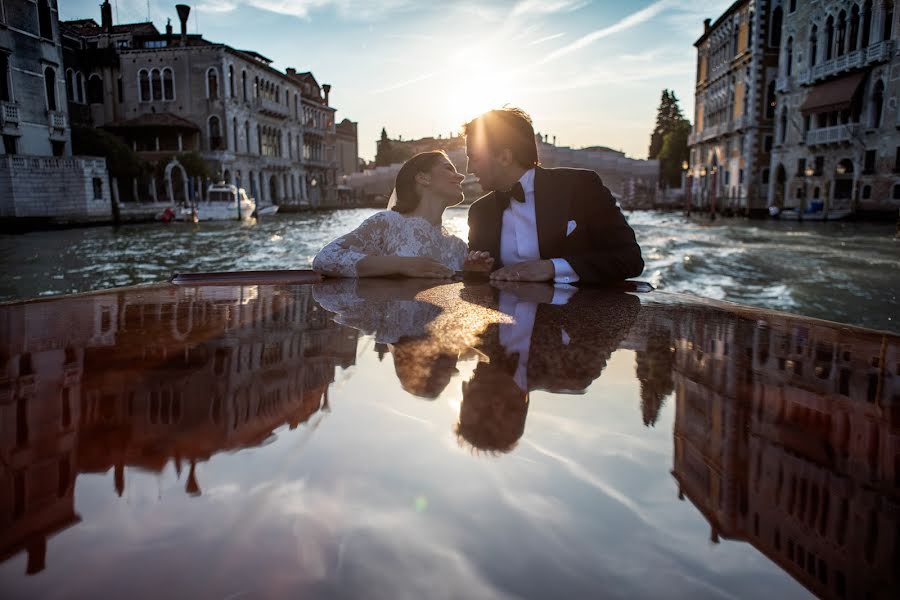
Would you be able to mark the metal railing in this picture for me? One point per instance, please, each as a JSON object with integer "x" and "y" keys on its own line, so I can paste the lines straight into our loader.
{"x": 57, "y": 119}
{"x": 831, "y": 135}
{"x": 9, "y": 112}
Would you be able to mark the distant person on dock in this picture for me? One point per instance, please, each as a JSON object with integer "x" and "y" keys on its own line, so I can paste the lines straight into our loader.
{"x": 408, "y": 238}
{"x": 562, "y": 225}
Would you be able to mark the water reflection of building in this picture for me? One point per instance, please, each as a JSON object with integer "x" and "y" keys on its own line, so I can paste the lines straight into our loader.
{"x": 786, "y": 436}
{"x": 138, "y": 379}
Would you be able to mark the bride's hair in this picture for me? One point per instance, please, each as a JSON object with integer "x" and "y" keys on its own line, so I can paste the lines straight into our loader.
{"x": 405, "y": 185}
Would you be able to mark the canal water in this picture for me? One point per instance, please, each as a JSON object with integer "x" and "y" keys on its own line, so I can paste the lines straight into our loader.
{"x": 845, "y": 272}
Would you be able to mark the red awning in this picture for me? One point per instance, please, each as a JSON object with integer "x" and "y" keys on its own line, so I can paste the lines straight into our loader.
{"x": 833, "y": 95}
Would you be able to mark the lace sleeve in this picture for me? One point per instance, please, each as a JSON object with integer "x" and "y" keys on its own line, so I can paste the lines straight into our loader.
{"x": 340, "y": 256}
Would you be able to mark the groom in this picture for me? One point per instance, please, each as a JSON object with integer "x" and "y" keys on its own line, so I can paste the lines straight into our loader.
{"x": 559, "y": 225}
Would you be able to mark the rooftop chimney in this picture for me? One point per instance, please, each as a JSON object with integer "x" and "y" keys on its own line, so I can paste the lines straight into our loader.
{"x": 106, "y": 16}
{"x": 327, "y": 89}
{"x": 168, "y": 32}
{"x": 291, "y": 71}
{"x": 706, "y": 23}
{"x": 183, "y": 12}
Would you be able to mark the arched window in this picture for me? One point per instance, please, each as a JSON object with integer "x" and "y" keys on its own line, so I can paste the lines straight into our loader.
{"x": 156, "y": 84}
{"x": 231, "y": 80}
{"x": 259, "y": 145}
{"x": 244, "y": 83}
{"x": 783, "y": 124}
{"x": 70, "y": 85}
{"x": 50, "y": 88}
{"x": 44, "y": 19}
{"x": 877, "y": 103}
{"x": 789, "y": 56}
{"x": 79, "y": 88}
{"x": 215, "y": 133}
{"x": 841, "y": 33}
{"x": 212, "y": 84}
{"x": 95, "y": 89}
{"x": 256, "y": 87}
{"x": 234, "y": 133}
{"x": 770, "y": 100}
{"x": 775, "y": 38}
{"x": 866, "y": 24}
{"x": 735, "y": 39}
{"x": 854, "y": 28}
{"x": 829, "y": 38}
{"x": 168, "y": 81}
{"x": 144, "y": 85}
{"x": 247, "y": 135}
{"x": 290, "y": 146}
{"x": 888, "y": 21}
{"x": 813, "y": 45}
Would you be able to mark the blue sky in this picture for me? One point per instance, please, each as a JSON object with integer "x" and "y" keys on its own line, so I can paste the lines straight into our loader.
{"x": 589, "y": 72}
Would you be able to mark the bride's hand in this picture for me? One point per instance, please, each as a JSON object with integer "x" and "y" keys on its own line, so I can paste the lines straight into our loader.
{"x": 419, "y": 266}
{"x": 478, "y": 261}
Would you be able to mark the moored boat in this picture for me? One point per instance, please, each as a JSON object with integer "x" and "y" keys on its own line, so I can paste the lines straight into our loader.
{"x": 224, "y": 202}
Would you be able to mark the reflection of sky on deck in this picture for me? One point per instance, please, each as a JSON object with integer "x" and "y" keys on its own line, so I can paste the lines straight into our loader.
{"x": 584, "y": 504}
{"x": 376, "y": 496}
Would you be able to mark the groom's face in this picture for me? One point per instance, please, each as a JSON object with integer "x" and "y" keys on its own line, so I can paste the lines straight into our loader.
{"x": 483, "y": 163}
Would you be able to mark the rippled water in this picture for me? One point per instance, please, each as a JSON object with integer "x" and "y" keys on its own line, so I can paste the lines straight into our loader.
{"x": 846, "y": 272}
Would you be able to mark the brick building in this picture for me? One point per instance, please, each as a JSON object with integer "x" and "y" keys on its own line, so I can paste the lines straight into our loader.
{"x": 268, "y": 131}
{"x": 40, "y": 180}
{"x": 837, "y": 148}
{"x": 737, "y": 58}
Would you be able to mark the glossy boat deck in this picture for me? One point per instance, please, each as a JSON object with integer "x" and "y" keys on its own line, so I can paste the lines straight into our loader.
{"x": 401, "y": 439}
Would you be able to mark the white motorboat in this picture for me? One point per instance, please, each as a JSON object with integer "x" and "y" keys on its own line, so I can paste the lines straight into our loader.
{"x": 266, "y": 210}
{"x": 223, "y": 202}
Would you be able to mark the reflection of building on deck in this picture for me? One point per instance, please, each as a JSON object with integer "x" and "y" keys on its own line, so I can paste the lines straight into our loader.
{"x": 136, "y": 379}
{"x": 786, "y": 436}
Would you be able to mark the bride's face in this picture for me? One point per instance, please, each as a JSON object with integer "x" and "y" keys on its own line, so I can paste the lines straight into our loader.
{"x": 446, "y": 182}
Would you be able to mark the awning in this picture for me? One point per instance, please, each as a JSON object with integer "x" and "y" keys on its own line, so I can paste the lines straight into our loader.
{"x": 833, "y": 95}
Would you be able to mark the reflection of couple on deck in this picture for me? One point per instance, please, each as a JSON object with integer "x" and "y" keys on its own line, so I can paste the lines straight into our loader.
{"x": 528, "y": 337}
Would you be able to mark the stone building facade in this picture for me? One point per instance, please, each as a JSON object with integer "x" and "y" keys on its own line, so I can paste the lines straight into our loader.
{"x": 268, "y": 131}
{"x": 737, "y": 61}
{"x": 40, "y": 180}
{"x": 837, "y": 147}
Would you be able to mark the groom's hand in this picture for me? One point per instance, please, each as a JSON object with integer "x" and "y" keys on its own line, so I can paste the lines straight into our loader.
{"x": 532, "y": 270}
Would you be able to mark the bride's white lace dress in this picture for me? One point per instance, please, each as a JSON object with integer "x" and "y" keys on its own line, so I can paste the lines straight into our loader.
{"x": 389, "y": 233}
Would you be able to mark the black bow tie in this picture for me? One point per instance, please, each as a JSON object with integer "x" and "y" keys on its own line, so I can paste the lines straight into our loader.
{"x": 516, "y": 192}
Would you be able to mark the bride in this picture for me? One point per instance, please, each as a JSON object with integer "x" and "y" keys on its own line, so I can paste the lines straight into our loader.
{"x": 407, "y": 239}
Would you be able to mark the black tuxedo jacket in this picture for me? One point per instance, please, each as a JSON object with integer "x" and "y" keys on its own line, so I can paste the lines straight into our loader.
{"x": 601, "y": 249}
{"x": 570, "y": 343}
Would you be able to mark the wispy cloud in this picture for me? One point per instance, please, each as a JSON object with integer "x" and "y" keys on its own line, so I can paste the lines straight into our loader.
{"x": 222, "y": 6}
{"x": 546, "y": 39}
{"x": 401, "y": 84}
{"x": 632, "y": 20}
{"x": 546, "y": 7}
{"x": 303, "y": 9}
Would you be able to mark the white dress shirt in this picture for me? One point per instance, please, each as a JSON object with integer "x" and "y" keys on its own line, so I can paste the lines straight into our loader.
{"x": 518, "y": 234}
{"x": 515, "y": 337}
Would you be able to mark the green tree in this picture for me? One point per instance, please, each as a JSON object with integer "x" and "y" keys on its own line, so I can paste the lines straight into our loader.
{"x": 383, "y": 153}
{"x": 673, "y": 153}
{"x": 121, "y": 161}
{"x": 193, "y": 164}
{"x": 668, "y": 115}
{"x": 668, "y": 141}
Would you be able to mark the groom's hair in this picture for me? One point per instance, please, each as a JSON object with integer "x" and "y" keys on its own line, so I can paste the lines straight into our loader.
{"x": 405, "y": 184}
{"x": 506, "y": 127}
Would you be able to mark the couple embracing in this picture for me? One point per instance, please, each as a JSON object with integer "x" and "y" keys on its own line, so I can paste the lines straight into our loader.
{"x": 535, "y": 224}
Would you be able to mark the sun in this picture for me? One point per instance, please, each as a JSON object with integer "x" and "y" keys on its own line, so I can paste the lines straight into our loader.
{"x": 480, "y": 85}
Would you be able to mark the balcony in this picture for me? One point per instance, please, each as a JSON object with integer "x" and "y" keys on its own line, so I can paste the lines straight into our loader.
{"x": 9, "y": 114}
{"x": 742, "y": 122}
{"x": 877, "y": 52}
{"x": 881, "y": 51}
{"x": 272, "y": 108}
{"x": 839, "y": 134}
{"x": 782, "y": 84}
{"x": 56, "y": 119}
